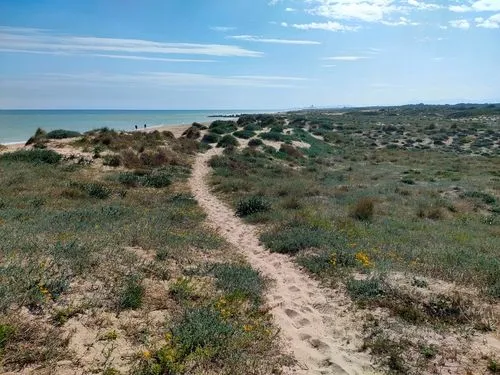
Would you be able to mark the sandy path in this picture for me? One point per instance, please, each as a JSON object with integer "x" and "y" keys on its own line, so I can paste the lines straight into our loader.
{"x": 314, "y": 323}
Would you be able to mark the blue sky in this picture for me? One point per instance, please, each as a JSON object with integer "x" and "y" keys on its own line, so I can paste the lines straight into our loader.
{"x": 262, "y": 54}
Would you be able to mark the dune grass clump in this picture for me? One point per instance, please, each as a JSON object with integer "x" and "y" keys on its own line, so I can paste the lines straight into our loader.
{"x": 363, "y": 209}
{"x": 132, "y": 293}
{"x": 62, "y": 134}
{"x": 35, "y": 156}
{"x": 252, "y": 205}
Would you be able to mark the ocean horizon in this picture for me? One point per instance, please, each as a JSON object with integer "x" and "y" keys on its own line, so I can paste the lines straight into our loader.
{"x": 17, "y": 126}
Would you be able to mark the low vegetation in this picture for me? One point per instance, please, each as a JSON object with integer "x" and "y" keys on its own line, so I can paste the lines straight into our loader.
{"x": 396, "y": 206}
{"x": 111, "y": 270}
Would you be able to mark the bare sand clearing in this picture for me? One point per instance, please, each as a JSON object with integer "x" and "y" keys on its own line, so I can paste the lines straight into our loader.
{"x": 315, "y": 323}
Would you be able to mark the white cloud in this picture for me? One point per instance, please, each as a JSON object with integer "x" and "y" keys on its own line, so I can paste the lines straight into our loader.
{"x": 345, "y": 58}
{"x": 328, "y": 66}
{"x": 437, "y": 59}
{"x": 223, "y": 29}
{"x": 253, "y": 38}
{"x": 290, "y": 10}
{"x": 160, "y": 79}
{"x": 23, "y": 40}
{"x": 329, "y": 26}
{"x": 477, "y": 6}
{"x": 423, "y": 6}
{"x": 363, "y": 10}
{"x": 401, "y": 22}
{"x": 460, "y": 24}
{"x": 492, "y": 22}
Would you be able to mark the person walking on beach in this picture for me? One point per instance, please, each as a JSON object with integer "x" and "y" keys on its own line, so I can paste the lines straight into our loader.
{"x": 136, "y": 127}
{"x": 144, "y": 126}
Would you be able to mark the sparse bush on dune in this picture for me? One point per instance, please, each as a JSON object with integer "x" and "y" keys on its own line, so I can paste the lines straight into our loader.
{"x": 192, "y": 133}
{"x": 222, "y": 127}
{"x": 132, "y": 293}
{"x": 291, "y": 151}
{"x": 363, "y": 209}
{"x": 255, "y": 142}
{"x": 252, "y": 205}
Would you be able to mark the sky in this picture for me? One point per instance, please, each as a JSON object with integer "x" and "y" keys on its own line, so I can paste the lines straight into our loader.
{"x": 247, "y": 54}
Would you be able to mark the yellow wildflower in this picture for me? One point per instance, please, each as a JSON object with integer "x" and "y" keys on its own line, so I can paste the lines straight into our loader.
{"x": 333, "y": 259}
{"x": 146, "y": 354}
{"x": 247, "y": 328}
{"x": 363, "y": 259}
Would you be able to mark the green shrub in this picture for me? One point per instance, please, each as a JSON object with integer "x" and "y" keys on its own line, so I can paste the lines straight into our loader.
{"x": 6, "y": 331}
{"x": 252, "y": 127}
{"x": 222, "y": 127}
{"x": 273, "y": 136}
{"x": 129, "y": 179}
{"x": 112, "y": 160}
{"x": 96, "y": 190}
{"x": 291, "y": 151}
{"x": 157, "y": 180}
{"x": 240, "y": 281}
{"x": 485, "y": 197}
{"x": 132, "y": 293}
{"x": 252, "y": 205}
{"x": 365, "y": 289}
{"x": 292, "y": 238}
{"x": 201, "y": 328}
{"x": 228, "y": 140}
{"x": 244, "y": 134}
{"x": 62, "y": 134}
{"x": 210, "y": 138}
{"x": 255, "y": 142}
{"x": 36, "y": 156}
{"x": 316, "y": 263}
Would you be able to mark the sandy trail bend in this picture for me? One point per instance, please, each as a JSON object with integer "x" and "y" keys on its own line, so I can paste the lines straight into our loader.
{"x": 314, "y": 322}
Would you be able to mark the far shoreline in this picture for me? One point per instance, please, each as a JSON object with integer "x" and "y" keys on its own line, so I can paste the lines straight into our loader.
{"x": 176, "y": 129}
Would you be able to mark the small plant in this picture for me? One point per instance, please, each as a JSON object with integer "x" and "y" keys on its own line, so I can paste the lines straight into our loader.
{"x": 363, "y": 209}
{"x": 428, "y": 351}
{"x": 132, "y": 293}
{"x": 485, "y": 197}
{"x": 365, "y": 289}
{"x": 493, "y": 366}
{"x": 157, "y": 180}
{"x": 6, "y": 331}
{"x": 99, "y": 191}
{"x": 182, "y": 289}
{"x": 252, "y": 205}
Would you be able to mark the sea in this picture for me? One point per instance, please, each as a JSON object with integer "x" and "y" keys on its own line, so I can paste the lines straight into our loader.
{"x": 18, "y": 125}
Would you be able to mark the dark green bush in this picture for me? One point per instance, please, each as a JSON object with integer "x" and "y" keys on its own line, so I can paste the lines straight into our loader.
{"x": 255, "y": 142}
{"x": 36, "y": 156}
{"x": 62, "y": 134}
{"x": 228, "y": 140}
{"x": 252, "y": 205}
{"x": 131, "y": 293}
{"x": 363, "y": 209}
{"x": 210, "y": 138}
{"x": 222, "y": 127}
{"x": 240, "y": 281}
{"x": 273, "y": 136}
{"x": 244, "y": 134}
{"x": 129, "y": 179}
